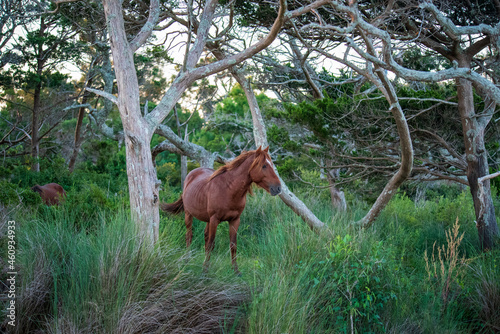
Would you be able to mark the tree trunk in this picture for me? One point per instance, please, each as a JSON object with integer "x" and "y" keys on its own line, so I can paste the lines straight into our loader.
{"x": 337, "y": 196}
{"x": 404, "y": 171}
{"x": 477, "y": 165}
{"x": 183, "y": 160}
{"x": 35, "y": 141}
{"x": 78, "y": 138}
{"x": 401, "y": 175}
{"x": 142, "y": 180}
{"x": 184, "y": 169}
{"x": 35, "y": 120}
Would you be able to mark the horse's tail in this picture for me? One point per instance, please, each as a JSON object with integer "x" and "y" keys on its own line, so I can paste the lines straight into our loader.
{"x": 173, "y": 208}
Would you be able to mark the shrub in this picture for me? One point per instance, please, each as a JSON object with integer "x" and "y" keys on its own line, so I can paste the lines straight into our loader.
{"x": 448, "y": 209}
{"x": 352, "y": 286}
{"x": 10, "y": 194}
{"x": 168, "y": 173}
{"x": 85, "y": 206}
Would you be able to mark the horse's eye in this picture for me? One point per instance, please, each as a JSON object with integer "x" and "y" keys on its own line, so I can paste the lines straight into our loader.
{"x": 265, "y": 166}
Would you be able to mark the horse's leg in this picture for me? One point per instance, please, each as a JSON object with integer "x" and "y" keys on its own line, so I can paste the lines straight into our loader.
{"x": 188, "y": 218}
{"x": 209, "y": 240}
{"x": 233, "y": 230}
{"x": 206, "y": 234}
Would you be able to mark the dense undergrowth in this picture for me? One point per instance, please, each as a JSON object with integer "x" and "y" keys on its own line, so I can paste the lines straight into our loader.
{"x": 82, "y": 269}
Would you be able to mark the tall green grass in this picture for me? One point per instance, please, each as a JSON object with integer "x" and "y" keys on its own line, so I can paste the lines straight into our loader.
{"x": 353, "y": 281}
{"x": 95, "y": 277}
{"x": 106, "y": 281}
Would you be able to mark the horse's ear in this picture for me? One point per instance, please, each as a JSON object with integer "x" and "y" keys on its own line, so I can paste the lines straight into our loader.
{"x": 266, "y": 149}
{"x": 259, "y": 150}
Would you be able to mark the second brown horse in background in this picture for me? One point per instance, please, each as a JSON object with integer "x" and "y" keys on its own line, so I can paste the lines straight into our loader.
{"x": 215, "y": 196}
{"x": 51, "y": 193}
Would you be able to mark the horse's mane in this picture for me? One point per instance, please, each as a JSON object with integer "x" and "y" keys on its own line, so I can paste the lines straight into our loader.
{"x": 238, "y": 161}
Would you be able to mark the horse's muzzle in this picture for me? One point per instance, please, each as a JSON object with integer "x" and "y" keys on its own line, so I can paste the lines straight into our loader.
{"x": 275, "y": 190}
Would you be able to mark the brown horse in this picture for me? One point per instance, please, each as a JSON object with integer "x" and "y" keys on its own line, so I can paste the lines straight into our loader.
{"x": 51, "y": 193}
{"x": 215, "y": 196}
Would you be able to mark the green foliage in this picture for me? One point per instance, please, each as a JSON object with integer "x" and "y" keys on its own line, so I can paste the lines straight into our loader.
{"x": 83, "y": 267}
{"x": 39, "y": 49}
{"x": 280, "y": 137}
{"x": 105, "y": 163}
{"x": 461, "y": 206}
{"x": 149, "y": 71}
{"x": 355, "y": 131}
{"x": 252, "y": 13}
{"x": 91, "y": 201}
{"x": 10, "y": 194}
{"x": 88, "y": 191}
{"x": 211, "y": 140}
{"x": 169, "y": 173}
{"x": 235, "y": 103}
{"x": 420, "y": 60}
{"x": 51, "y": 170}
{"x": 483, "y": 297}
{"x": 352, "y": 280}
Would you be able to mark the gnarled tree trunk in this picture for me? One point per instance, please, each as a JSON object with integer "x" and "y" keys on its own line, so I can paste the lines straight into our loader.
{"x": 142, "y": 180}
{"x": 477, "y": 164}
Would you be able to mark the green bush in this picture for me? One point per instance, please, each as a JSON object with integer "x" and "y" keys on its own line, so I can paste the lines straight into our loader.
{"x": 168, "y": 173}
{"x": 448, "y": 209}
{"x": 51, "y": 170}
{"x": 85, "y": 206}
{"x": 10, "y": 194}
{"x": 352, "y": 284}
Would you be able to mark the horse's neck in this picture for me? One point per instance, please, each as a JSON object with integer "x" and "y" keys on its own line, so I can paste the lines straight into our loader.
{"x": 238, "y": 179}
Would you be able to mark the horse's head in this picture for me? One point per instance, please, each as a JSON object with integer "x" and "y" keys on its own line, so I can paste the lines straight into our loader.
{"x": 262, "y": 172}
{"x": 37, "y": 189}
